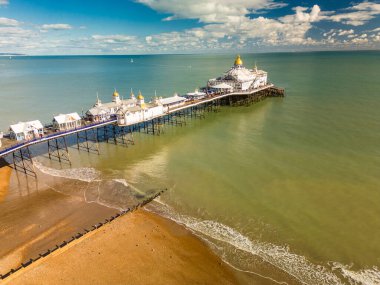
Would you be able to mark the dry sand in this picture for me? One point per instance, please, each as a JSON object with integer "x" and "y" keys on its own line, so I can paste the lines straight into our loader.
{"x": 138, "y": 248}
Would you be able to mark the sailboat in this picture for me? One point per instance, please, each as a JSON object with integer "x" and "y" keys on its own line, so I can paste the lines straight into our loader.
{"x": 131, "y": 60}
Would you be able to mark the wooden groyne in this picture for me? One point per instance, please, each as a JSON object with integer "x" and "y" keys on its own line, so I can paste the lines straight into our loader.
{"x": 80, "y": 235}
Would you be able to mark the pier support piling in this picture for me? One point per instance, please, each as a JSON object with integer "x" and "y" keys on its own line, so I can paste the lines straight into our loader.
{"x": 57, "y": 148}
{"x": 88, "y": 141}
{"x": 22, "y": 161}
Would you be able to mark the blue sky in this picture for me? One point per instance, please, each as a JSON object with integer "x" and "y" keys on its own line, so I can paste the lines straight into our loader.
{"x": 186, "y": 26}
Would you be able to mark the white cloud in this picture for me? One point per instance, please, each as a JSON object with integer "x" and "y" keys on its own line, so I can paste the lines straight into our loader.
{"x": 345, "y": 32}
{"x": 212, "y": 11}
{"x": 4, "y": 2}
{"x": 287, "y": 30}
{"x": 6, "y": 22}
{"x": 361, "y": 14}
{"x": 227, "y": 25}
{"x": 112, "y": 39}
{"x": 55, "y": 27}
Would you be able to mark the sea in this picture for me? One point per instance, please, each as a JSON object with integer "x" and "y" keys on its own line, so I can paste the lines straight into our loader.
{"x": 286, "y": 191}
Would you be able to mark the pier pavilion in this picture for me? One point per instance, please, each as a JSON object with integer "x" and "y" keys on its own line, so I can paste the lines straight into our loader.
{"x": 101, "y": 112}
{"x": 239, "y": 78}
{"x": 127, "y": 115}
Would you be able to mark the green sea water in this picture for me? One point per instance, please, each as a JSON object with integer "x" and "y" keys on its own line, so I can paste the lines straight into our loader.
{"x": 287, "y": 188}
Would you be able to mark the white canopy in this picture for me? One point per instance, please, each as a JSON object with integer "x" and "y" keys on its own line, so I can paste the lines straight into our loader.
{"x": 172, "y": 100}
{"x": 66, "y": 118}
{"x": 222, "y": 86}
{"x": 196, "y": 93}
{"x": 23, "y": 127}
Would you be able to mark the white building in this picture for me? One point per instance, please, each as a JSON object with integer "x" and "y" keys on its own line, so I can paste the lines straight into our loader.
{"x": 105, "y": 111}
{"x": 141, "y": 112}
{"x": 26, "y": 130}
{"x": 170, "y": 103}
{"x": 239, "y": 78}
{"x": 65, "y": 122}
{"x": 196, "y": 95}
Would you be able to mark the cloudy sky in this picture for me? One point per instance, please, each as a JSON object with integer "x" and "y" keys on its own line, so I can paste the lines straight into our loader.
{"x": 186, "y": 26}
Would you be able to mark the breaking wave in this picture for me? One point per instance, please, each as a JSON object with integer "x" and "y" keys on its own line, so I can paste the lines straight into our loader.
{"x": 88, "y": 185}
{"x": 85, "y": 174}
{"x": 278, "y": 256}
{"x": 369, "y": 276}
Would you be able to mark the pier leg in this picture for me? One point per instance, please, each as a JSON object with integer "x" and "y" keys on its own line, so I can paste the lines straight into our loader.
{"x": 87, "y": 140}
{"x": 57, "y": 148}
{"x": 22, "y": 161}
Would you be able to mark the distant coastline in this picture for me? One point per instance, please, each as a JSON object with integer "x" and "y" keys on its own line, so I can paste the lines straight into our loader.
{"x": 11, "y": 54}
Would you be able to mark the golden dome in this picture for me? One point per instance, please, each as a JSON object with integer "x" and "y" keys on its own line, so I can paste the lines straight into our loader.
{"x": 115, "y": 94}
{"x": 238, "y": 61}
{"x": 140, "y": 96}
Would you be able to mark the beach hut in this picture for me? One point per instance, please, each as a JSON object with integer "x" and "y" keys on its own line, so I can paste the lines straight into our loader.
{"x": 65, "y": 122}
{"x": 26, "y": 130}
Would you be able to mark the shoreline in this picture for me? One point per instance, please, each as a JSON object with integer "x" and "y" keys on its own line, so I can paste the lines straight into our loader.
{"x": 38, "y": 244}
{"x": 130, "y": 245}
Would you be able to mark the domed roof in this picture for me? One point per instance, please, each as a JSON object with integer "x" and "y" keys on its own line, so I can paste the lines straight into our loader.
{"x": 140, "y": 96}
{"x": 115, "y": 94}
{"x": 239, "y": 74}
{"x": 238, "y": 61}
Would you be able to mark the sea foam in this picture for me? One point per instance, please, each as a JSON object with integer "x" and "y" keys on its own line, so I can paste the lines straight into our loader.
{"x": 279, "y": 256}
{"x": 370, "y": 276}
{"x": 85, "y": 174}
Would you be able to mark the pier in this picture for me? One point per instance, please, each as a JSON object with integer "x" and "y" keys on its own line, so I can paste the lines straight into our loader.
{"x": 115, "y": 122}
{"x": 88, "y": 136}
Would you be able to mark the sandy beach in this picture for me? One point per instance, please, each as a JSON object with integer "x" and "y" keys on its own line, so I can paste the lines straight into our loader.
{"x": 138, "y": 248}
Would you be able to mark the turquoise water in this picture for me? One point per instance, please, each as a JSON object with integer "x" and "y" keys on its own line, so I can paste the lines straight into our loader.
{"x": 287, "y": 188}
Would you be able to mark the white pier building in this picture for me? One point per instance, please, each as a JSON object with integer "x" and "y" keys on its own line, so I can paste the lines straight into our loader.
{"x": 196, "y": 95}
{"x": 105, "y": 111}
{"x": 64, "y": 122}
{"x": 129, "y": 115}
{"x": 239, "y": 78}
{"x": 170, "y": 103}
{"x": 26, "y": 130}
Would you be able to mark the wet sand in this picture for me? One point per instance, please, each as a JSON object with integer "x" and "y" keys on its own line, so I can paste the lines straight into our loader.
{"x": 35, "y": 218}
{"x": 138, "y": 248}
{"x": 5, "y": 175}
